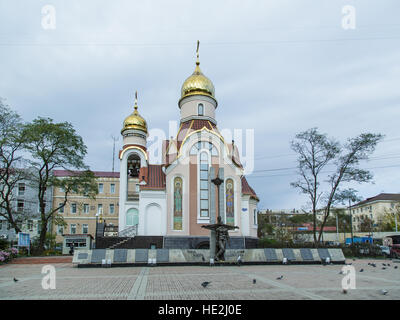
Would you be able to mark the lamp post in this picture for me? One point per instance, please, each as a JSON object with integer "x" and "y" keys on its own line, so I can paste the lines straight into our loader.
{"x": 95, "y": 236}
{"x": 351, "y": 222}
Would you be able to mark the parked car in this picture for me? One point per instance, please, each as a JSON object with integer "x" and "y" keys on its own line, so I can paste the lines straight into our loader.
{"x": 385, "y": 251}
{"x": 395, "y": 251}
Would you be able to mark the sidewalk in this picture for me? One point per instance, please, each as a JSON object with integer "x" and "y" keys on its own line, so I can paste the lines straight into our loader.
{"x": 42, "y": 260}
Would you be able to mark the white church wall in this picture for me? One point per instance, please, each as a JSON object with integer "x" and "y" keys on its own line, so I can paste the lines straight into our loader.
{"x": 152, "y": 213}
{"x": 245, "y": 216}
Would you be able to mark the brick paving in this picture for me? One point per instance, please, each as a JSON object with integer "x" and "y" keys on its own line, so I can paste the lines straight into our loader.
{"x": 300, "y": 282}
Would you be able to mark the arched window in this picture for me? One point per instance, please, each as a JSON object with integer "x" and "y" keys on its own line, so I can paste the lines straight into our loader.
{"x": 204, "y": 145}
{"x": 203, "y": 179}
{"x": 132, "y": 217}
{"x": 201, "y": 109}
{"x": 230, "y": 202}
{"x": 178, "y": 203}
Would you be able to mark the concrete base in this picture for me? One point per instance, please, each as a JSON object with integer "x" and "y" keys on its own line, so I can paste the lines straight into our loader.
{"x": 159, "y": 257}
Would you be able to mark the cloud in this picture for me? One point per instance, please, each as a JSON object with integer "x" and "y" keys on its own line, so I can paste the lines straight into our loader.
{"x": 279, "y": 67}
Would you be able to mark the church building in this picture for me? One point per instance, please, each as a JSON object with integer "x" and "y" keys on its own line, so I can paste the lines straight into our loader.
{"x": 175, "y": 198}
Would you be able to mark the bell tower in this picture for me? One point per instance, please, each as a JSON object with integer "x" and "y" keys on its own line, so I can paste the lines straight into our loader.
{"x": 133, "y": 165}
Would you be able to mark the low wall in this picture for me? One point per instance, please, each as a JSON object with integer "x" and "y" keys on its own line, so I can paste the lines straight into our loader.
{"x": 132, "y": 257}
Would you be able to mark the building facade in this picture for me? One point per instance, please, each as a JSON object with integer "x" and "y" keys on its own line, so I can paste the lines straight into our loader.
{"x": 373, "y": 208}
{"x": 175, "y": 198}
{"x": 81, "y": 213}
{"x": 26, "y": 207}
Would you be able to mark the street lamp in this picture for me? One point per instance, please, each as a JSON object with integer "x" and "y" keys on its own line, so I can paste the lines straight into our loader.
{"x": 95, "y": 236}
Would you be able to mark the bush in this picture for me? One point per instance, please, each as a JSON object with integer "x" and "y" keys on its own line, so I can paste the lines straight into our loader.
{"x": 8, "y": 254}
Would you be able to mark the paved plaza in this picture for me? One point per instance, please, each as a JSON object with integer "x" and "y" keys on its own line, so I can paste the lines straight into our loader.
{"x": 300, "y": 282}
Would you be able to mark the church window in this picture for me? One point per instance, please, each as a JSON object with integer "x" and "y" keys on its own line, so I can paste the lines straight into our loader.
{"x": 132, "y": 217}
{"x": 178, "y": 203}
{"x": 204, "y": 145}
{"x": 230, "y": 202}
{"x": 204, "y": 165}
{"x": 201, "y": 109}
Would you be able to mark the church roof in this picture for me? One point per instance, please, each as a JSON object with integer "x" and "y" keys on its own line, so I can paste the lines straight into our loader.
{"x": 246, "y": 189}
{"x": 154, "y": 177}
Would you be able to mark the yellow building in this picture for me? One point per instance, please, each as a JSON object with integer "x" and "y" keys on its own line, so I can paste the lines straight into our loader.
{"x": 373, "y": 208}
{"x": 80, "y": 212}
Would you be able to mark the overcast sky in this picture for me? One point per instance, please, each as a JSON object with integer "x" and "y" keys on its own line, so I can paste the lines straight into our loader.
{"x": 279, "y": 67}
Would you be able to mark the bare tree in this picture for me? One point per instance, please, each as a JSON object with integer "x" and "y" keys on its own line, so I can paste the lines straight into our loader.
{"x": 316, "y": 151}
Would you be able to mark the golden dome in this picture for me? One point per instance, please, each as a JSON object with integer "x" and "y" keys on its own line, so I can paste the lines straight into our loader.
{"x": 197, "y": 83}
{"x": 135, "y": 121}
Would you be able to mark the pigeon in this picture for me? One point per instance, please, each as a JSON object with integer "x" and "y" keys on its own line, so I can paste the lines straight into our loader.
{"x": 202, "y": 258}
{"x": 383, "y": 268}
{"x": 279, "y": 278}
{"x": 395, "y": 267}
{"x": 341, "y": 272}
{"x": 239, "y": 261}
{"x": 384, "y": 292}
{"x": 361, "y": 270}
{"x": 388, "y": 264}
{"x": 373, "y": 264}
{"x": 254, "y": 281}
{"x": 205, "y": 284}
{"x": 344, "y": 291}
{"x": 15, "y": 280}
{"x": 384, "y": 264}
{"x": 354, "y": 259}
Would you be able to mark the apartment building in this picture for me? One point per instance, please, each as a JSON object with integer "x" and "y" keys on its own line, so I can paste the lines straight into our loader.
{"x": 80, "y": 213}
{"x": 373, "y": 208}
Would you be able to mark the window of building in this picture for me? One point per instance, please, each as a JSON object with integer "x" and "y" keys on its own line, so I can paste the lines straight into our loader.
{"x": 60, "y": 230}
{"x": 132, "y": 217}
{"x": 61, "y": 210}
{"x": 112, "y": 188}
{"x": 201, "y": 109}
{"x": 30, "y": 225}
{"x": 73, "y": 208}
{"x": 99, "y": 208}
{"x": 21, "y": 189}
{"x": 204, "y": 185}
{"x": 86, "y": 208}
{"x": 203, "y": 145}
{"x": 73, "y": 228}
{"x": 112, "y": 208}
{"x": 255, "y": 216}
{"x": 101, "y": 188}
{"x": 1, "y": 225}
{"x": 20, "y": 206}
{"x": 85, "y": 228}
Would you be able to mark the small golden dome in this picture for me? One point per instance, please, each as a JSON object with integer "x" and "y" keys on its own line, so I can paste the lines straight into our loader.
{"x": 135, "y": 121}
{"x": 198, "y": 83}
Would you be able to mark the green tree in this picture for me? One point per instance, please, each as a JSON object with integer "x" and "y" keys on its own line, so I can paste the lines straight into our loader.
{"x": 51, "y": 146}
{"x": 389, "y": 219}
{"x": 11, "y": 165}
{"x": 316, "y": 151}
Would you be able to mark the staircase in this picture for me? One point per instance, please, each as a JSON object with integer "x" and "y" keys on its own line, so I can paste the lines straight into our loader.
{"x": 119, "y": 243}
{"x": 128, "y": 232}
